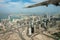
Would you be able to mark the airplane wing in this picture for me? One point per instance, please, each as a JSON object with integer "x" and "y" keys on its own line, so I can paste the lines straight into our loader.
{"x": 39, "y": 4}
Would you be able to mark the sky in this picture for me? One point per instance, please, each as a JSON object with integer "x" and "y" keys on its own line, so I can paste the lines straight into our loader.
{"x": 17, "y": 6}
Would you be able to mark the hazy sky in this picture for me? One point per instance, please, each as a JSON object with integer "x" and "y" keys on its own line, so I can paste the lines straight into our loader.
{"x": 17, "y": 6}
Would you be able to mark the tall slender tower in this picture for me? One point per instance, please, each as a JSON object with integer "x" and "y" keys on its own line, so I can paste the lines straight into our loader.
{"x": 9, "y": 17}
